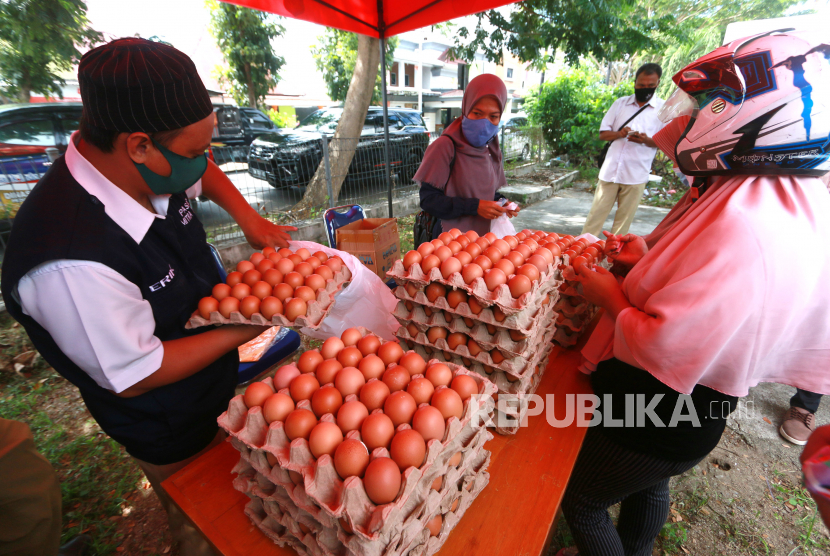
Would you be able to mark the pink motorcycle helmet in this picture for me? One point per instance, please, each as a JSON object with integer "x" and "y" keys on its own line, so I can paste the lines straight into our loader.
{"x": 755, "y": 106}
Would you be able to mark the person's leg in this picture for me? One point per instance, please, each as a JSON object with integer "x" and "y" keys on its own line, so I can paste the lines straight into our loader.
{"x": 629, "y": 200}
{"x": 642, "y": 515}
{"x": 805, "y": 400}
{"x": 604, "y": 474}
{"x": 800, "y": 419}
{"x": 604, "y": 198}
{"x": 191, "y": 542}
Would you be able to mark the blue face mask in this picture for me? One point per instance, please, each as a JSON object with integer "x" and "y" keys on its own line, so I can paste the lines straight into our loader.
{"x": 184, "y": 172}
{"x": 478, "y": 132}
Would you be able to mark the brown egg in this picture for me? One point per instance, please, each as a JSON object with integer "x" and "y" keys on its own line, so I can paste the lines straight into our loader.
{"x": 351, "y": 415}
{"x": 373, "y": 394}
{"x": 265, "y": 265}
{"x": 516, "y": 258}
{"x": 483, "y": 262}
{"x": 321, "y": 256}
{"x": 228, "y": 305}
{"x": 331, "y": 347}
{"x": 251, "y": 277}
{"x": 532, "y": 243}
{"x": 303, "y": 252}
{"x": 294, "y": 279}
{"x": 277, "y": 407}
{"x": 473, "y": 346}
{"x": 284, "y": 376}
{"x": 469, "y": 322}
{"x": 497, "y": 356}
{"x": 524, "y": 250}
{"x": 309, "y": 360}
{"x": 449, "y": 317}
{"x": 450, "y": 267}
{"x": 245, "y": 266}
{"x": 295, "y": 308}
{"x": 335, "y": 264}
{"x": 439, "y": 375}
{"x": 408, "y": 449}
{"x": 430, "y": 423}
{"x": 464, "y": 258}
{"x": 382, "y": 481}
{"x": 285, "y": 266}
{"x": 299, "y": 423}
{"x": 430, "y": 262}
{"x": 304, "y": 269}
{"x": 325, "y": 272}
{"x": 315, "y": 281}
{"x": 396, "y": 378}
{"x": 463, "y": 240}
{"x": 475, "y": 306}
{"x": 256, "y": 258}
{"x": 303, "y": 387}
{"x": 314, "y": 262}
{"x": 256, "y": 394}
{"x": 351, "y": 458}
{"x": 207, "y": 305}
{"x": 324, "y": 439}
{"x": 411, "y": 258}
{"x": 350, "y": 336}
{"x": 436, "y": 484}
{"x": 465, "y": 385}
{"x": 499, "y": 315}
{"x": 494, "y": 254}
{"x": 545, "y": 253}
{"x": 274, "y": 257}
{"x": 327, "y": 371}
{"x": 327, "y": 399}
{"x": 448, "y": 402}
{"x": 421, "y": 390}
{"x": 349, "y": 356}
{"x": 272, "y": 277}
{"x": 249, "y": 306}
{"x": 414, "y": 363}
{"x": 491, "y": 329}
{"x": 539, "y": 262}
{"x": 241, "y": 291}
{"x": 221, "y": 291}
{"x": 519, "y": 285}
{"x": 434, "y": 291}
{"x": 285, "y": 252}
{"x": 349, "y": 381}
{"x": 436, "y": 333}
{"x": 494, "y": 278}
{"x": 426, "y": 249}
{"x": 483, "y": 242}
{"x": 511, "y": 241}
{"x": 456, "y": 297}
{"x": 368, "y": 345}
{"x": 555, "y": 249}
{"x": 400, "y": 407}
{"x": 505, "y": 266}
{"x": 233, "y": 278}
{"x": 261, "y": 290}
{"x": 445, "y": 238}
{"x": 530, "y": 271}
{"x": 377, "y": 431}
{"x": 473, "y": 249}
{"x": 456, "y": 339}
{"x": 390, "y": 352}
{"x": 283, "y": 292}
{"x": 454, "y": 506}
{"x": 434, "y": 525}
{"x": 411, "y": 289}
{"x": 517, "y": 336}
{"x": 305, "y": 293}
{"x": 502, "y": 246}
{"x": 443, "y": 253}
{"x": 296, "y": 259}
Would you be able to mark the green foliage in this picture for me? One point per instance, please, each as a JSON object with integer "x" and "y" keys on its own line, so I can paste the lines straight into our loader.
{"x": 39, "y": 40}
{"x": 336, "y": 56}
{"x": 672, "y": 537}
{"x": 244, "y": 38}
{"x": 570, "y": 108}
{"x": 282, "y": 119}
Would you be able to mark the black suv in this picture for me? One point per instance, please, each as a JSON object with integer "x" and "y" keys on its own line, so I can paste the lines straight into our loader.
{"x": 289, "y": 158}
{"x": 255, "y": 123}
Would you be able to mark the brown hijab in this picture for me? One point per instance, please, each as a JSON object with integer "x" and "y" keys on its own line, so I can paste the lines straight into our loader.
{"x": 477, "y": 172}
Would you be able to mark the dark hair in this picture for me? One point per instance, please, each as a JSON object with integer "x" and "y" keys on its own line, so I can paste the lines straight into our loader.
{"x": 650, "y": 69}
{"x": 104, "y": 139}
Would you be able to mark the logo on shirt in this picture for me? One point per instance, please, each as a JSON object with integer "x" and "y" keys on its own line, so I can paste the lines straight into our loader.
{"x": 164, "y": 281}
{"x": 718, "y": 106}
{"x": 185, "y": 213}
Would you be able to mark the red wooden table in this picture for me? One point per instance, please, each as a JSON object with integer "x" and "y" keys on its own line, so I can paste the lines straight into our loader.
{"x": 528, "y": 475}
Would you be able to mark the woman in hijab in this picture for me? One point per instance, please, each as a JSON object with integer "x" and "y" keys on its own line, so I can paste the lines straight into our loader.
{"x": 462, "y": 170}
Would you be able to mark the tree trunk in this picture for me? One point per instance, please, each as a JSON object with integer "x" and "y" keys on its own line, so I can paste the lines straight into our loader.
{"x": 25, "y": 94}
{"x": 250, "y": 83}
{"x": 342, "y": 145}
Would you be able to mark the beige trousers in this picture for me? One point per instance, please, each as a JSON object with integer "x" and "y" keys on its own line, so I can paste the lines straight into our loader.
{"x": 627, "y": 198}
{"x": 190, "y": 540}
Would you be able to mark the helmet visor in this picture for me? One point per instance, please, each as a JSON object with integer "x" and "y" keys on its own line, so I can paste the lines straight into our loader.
{"x": 680, "y": 103}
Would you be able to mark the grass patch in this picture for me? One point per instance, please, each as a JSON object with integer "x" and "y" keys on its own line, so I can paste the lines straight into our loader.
{"x": 663, "y": 200}
{"x": 588, "y": 173}
{"x": 406, "y": 225}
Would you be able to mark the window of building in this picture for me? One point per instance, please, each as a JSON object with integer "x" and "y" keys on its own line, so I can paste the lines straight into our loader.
{"x": 407, "y": 82}
{"x": 393, "y": 78}
{"x": 509, "y": 73}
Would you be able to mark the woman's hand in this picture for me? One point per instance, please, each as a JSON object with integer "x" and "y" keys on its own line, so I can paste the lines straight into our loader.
{"x": 490, "y": 209}
{"x": 513, "y": 212}
{"x": 601, "y": 288}
{"x": 261, "y": 233}
{"x": 625, "y": 250}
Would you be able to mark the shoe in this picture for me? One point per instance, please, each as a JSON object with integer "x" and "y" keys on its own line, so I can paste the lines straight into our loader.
{"x": 76, "y": 547}
{"x": 798, "y": 425}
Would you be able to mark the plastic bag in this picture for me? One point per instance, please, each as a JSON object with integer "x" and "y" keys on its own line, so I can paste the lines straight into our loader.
{"x": 502, "y": 226}
{"x": 367, "y": 301}
{"x": 256, "y": 348}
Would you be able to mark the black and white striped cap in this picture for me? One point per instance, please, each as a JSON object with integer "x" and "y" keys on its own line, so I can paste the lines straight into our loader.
{"x": 134, "y": 84}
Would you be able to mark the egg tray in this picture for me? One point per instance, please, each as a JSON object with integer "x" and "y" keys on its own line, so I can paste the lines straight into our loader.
{"x": 501, "y": 339}
{"x": 501, "y": 296}
{"x": 571, "y": 306}
{"x": 522, "y": 321}
{"x": 323, "y": 488}
{"x": 285, "y": 522}
{"x": 317, "y": 309}
{"x": 520, "y": 405}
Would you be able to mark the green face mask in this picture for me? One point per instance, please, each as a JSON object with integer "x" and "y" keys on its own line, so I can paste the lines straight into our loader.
{"x": 184, "y": 172}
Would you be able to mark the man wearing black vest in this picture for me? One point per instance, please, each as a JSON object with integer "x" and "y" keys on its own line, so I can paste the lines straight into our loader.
{"x": 107, "y": 261}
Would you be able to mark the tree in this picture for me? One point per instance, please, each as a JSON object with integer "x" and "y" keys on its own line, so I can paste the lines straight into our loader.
{"x": 336, "y": 57}
{"x": 244, "y": 38}
{"x": 39, "y": 40}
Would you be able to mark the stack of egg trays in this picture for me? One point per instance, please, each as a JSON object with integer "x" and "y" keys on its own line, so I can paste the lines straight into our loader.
{"x": 574, "y": 311}
{"x": 342, "y": 508}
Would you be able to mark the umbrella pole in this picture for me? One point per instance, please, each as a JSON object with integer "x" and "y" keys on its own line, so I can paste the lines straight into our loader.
{"x": 386, "y": 156}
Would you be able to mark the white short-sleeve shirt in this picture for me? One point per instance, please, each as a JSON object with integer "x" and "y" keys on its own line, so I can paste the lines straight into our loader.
{"x": 96, "y": 316}
{"x": 628, "y": 162}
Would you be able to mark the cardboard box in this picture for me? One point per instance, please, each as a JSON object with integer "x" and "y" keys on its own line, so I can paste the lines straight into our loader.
{"x": 374, "y": 241}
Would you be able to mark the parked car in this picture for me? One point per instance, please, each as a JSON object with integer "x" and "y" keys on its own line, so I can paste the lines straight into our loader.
{"x": 228, "y": 141}
{"x": 26, "y": 132}
{"x": 515, "y": 141}
{"x": 289, "y": 158}
{"x": 255, "y": 123}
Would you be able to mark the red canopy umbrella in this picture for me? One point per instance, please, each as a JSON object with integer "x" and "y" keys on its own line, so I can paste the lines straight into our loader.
{"x": 376, "y": 18}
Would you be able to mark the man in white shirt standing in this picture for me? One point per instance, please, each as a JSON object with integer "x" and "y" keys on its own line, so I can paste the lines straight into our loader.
{"x": 629, "y": 125}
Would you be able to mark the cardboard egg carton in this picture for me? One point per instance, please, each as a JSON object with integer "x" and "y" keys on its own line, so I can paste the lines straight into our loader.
{"x": 280, "y": 518}
{"x": 317, "y": 309}
{"x": 549, "y": 279}
{"x": 571, "y": 306}
{"x": 522, "y": 321}
{"x": 518, "y": 405}
{"x": 323, "y": 493}
{"x": 500, "y": 339}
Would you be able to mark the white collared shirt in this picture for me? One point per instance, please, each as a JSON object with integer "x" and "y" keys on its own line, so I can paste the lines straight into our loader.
{"x": 628, "y": 162}
{"x": 96, "y": 316}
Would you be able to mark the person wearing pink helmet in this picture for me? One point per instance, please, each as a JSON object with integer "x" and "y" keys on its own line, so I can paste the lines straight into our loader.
{"x": 729, "y": 291}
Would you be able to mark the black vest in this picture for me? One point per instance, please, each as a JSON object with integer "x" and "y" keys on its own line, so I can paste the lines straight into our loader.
{"x": 172, "y": 266}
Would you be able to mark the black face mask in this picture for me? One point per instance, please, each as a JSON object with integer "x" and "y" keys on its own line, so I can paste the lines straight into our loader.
{"x": 644, "y": 94}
